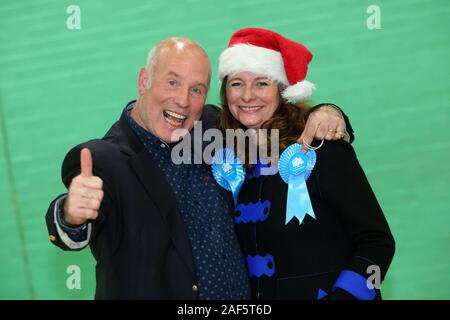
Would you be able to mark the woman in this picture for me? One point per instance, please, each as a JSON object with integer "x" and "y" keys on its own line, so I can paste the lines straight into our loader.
{"x": 342, "y": 247}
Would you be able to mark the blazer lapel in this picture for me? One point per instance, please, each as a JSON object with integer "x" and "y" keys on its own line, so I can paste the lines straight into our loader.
{"x": 162, "y": 195}
{"x": 156, "y": 186}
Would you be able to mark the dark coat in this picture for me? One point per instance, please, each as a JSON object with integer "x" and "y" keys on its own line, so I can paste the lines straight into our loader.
{"x": 139, "y": 240}
{"x": 350, "y": 231}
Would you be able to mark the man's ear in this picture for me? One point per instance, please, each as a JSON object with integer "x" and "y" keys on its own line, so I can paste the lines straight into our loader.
{"x": 142, "y": 81}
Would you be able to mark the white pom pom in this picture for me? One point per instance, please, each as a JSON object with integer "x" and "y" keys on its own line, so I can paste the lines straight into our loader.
{"x": 298, "y": 92}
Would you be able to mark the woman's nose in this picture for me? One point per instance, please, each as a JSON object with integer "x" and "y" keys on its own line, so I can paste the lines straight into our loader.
{"x": 247, "y": 95}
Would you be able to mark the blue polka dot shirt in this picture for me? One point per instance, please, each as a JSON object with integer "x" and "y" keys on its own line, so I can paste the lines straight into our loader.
{"x": 206, "y": 211}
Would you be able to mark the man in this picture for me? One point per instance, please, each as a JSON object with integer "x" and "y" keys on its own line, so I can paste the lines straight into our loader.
{"x": 157, "y": 230}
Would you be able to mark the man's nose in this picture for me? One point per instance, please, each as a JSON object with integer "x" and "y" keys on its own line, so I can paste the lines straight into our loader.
{"x": 182, "y": 97}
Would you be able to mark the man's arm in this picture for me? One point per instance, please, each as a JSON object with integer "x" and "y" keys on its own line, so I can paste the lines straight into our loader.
{"x": 67, "y": 216}
{"x": 60, "y": 233}
{"x": 349, "y": 137}
{"x": 326, "y": 121}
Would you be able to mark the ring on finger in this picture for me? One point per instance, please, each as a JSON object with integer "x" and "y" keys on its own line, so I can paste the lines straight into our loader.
{"x": 313, "y": 148}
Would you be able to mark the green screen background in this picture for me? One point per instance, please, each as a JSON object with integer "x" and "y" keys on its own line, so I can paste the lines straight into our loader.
{"x": 59, "y": 87}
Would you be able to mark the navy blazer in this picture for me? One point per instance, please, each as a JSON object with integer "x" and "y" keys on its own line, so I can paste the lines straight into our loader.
{"x": 139, "y": 239}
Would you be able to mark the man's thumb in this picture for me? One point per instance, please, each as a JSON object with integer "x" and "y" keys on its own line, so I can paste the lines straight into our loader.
{"x": 86, "y": 162}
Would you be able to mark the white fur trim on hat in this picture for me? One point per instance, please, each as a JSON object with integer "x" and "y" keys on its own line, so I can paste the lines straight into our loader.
{"x": 298, "y": 92}
{"x": 250, "y": 58}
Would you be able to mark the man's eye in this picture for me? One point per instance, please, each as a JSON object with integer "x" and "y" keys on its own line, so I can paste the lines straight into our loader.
{"x": 197, "y": 91}
{"x": 172, "y": 83}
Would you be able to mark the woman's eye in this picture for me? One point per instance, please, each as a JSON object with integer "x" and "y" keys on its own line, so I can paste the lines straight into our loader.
{"x": 172, "y": 83}
{"x": 235, "y": 84}
{"x": 262, "y": 83}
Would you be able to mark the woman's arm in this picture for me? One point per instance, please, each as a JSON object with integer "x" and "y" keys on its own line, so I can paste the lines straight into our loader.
{"x": 345, "y": 187}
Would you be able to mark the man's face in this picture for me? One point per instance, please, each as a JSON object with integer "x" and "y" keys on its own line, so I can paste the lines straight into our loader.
{"x": 178, "y": 91}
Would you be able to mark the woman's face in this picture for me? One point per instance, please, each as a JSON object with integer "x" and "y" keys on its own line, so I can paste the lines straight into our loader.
{"x": 252, "y": 98}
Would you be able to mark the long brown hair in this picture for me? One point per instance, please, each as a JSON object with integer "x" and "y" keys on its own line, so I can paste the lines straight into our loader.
{"x": 289, "y": 119}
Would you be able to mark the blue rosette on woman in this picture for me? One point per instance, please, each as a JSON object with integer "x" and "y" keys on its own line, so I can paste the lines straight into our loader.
{"x": 228, "y": 171}
{"x": 295, "y": 168}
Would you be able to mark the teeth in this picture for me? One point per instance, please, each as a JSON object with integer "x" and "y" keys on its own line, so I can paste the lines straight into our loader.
{"x": 175, "y": 115}
{"x": 250, "y": 108}
{"x": 173, "y": 118}
{"x": 174, "y": 123}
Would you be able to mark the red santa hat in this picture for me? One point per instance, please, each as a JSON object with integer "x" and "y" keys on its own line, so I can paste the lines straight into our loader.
{"x": 268, "y": 53}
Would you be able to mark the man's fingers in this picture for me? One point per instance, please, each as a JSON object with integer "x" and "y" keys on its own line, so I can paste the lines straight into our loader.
{"x": 300, "y": 139}
{"x": 85, "y": 193}
{"x": 321, "y": 132}
{"x": 85, "y": 203}
{"x": 307, "y": 139}
{"x": 341, "y": 130}
{"x": 81, "y": 199}
{"x": 323, "y": 124}
{"x": 331, "y": 133}
{"x": 76, "y": 215}
{"x": 92, "y": 183}
{"x": 92, "y": 194}
{"x": 308, "y": 134}
{"x": 78, "y": 192}
{"x": 93, "y": 204}
{"x": 86, "y": 162}
{"x": 86, "y": 214}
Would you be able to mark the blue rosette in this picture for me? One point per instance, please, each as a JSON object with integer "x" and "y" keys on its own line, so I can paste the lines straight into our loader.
{"x": 295, "y": 168}
{"x": 228, "y": 171}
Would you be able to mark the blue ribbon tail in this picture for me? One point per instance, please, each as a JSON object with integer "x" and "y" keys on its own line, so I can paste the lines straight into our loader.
{"x": 298, "y": 200}
{"x": 235, "y": 186}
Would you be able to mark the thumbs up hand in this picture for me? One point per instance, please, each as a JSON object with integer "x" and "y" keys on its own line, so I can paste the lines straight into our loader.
{"x": 85, "y": 193}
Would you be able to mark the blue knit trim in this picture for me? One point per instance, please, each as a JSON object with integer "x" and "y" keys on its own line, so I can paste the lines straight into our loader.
{"x": 355, "y": 284}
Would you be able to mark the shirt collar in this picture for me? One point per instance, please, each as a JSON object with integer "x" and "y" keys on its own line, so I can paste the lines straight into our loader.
{"x": 141, "y": 132}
